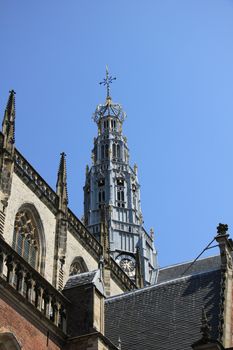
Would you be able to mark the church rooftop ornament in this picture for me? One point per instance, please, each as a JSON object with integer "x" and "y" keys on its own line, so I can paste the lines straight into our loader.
{"x": 109, "y": 108}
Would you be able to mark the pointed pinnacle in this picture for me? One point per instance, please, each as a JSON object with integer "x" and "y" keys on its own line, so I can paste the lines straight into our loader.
{"x": 8, "y": 124}
{"x": 11, "y": 102}
{"x": 61, "y": 187}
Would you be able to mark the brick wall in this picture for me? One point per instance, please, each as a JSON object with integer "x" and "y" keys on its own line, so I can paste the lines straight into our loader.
{"x": 25, "y": 332}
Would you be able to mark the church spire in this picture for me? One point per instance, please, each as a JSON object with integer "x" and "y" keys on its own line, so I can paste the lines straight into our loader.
{"x": 8, "y": 124}
{"x": 61, "y": 187}
{"x": 111, "y": 183}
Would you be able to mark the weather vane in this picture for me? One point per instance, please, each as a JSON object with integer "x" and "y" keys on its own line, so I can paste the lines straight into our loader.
{"x": 107, "y": 81}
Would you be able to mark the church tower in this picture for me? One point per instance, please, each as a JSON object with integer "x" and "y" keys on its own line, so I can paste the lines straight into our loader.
{"x": 112, "y": 195}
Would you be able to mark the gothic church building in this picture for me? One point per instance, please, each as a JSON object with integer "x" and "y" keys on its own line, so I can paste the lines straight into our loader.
{"x": 95, "y": 284}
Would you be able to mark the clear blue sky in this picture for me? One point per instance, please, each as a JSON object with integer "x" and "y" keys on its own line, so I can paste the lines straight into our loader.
{"x": 174, "y": 66}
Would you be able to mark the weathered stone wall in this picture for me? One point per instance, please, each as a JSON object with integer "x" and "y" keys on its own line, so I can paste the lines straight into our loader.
{"x": 114, "y": 288}
{"x": 98, "y": 312}
{"x": 74, "y": 248}
{"x": 29, "y": 336}
{"x": 101, "y": 345}
{"x": 21, "y": 194}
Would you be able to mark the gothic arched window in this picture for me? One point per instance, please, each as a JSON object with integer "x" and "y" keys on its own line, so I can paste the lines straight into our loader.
{"x": 28, "y": 240}
{"x": 8, "y": 342}
{"x": 120, "y": 192}
{"x": 78, "y": 266}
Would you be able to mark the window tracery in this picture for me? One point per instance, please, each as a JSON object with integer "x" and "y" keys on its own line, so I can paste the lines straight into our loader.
{"x": 120, "y": 193}
{"x": 78, "y": 266}
{"x": 27, "y": 240}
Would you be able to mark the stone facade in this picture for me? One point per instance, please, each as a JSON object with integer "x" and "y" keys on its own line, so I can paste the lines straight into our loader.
{"x": 61, "y": 237}
{"x": 22, "y": 195}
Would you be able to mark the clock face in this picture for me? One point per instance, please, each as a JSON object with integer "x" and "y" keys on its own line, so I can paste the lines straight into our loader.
{"x": 127, "y": 263}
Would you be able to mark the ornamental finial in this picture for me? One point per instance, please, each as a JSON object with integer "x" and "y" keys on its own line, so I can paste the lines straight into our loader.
{"x": 107, "y": 81}
{"x": 222, "y": 229}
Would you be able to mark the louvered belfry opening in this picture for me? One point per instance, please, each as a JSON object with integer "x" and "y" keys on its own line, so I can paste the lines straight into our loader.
{"x": 26, "y": 238}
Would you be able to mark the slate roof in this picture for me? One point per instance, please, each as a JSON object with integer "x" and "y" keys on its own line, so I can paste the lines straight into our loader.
{"x": 166, "y": 315}
{"x": 80, "y": 279}
{"x": 184, "y": 269}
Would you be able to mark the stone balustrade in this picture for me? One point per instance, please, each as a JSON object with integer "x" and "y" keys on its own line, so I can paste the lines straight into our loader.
{"x": 21, "y": 276}
{"x": 88, "y": 238}
{"x": 24, "y": 169}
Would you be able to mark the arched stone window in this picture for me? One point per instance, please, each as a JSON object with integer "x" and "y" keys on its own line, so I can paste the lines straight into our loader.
{"x": 9, "y": 342}
{"x": 78, "y": 266}
{"x": 28, "y": 238}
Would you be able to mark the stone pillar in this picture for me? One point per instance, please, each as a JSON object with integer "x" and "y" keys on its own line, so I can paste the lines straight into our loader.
{"x": 226, "y": 248}
{"x": 61, "y": 225}
{"x": 7, "y": 150}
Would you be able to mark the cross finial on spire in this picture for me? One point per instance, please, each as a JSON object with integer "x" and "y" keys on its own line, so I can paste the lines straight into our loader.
{"x": 107, "y": 81}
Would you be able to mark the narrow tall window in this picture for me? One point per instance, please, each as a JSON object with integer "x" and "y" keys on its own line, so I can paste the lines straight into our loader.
{"x": 114, "y": 150}
{"x": 102, "y": 152}
{"x": 118, "y": 151}
{"x": 106, "y": 151}
{"x": 120, "y": 194}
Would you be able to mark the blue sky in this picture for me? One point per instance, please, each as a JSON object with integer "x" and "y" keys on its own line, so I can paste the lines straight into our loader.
{"x": 174, "y": 66}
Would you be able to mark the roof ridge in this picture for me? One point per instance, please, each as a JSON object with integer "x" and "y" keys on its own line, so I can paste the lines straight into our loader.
{"x": 138, "y": 291}
{"x": 83, "y": 273}
{"x": 186, "y": 262}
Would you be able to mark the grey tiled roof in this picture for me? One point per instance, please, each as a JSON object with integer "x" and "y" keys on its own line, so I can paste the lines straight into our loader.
{"x": 80, "y": 279}
{"x": 166, "y": 315}
{"x": 184, "y": 269}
